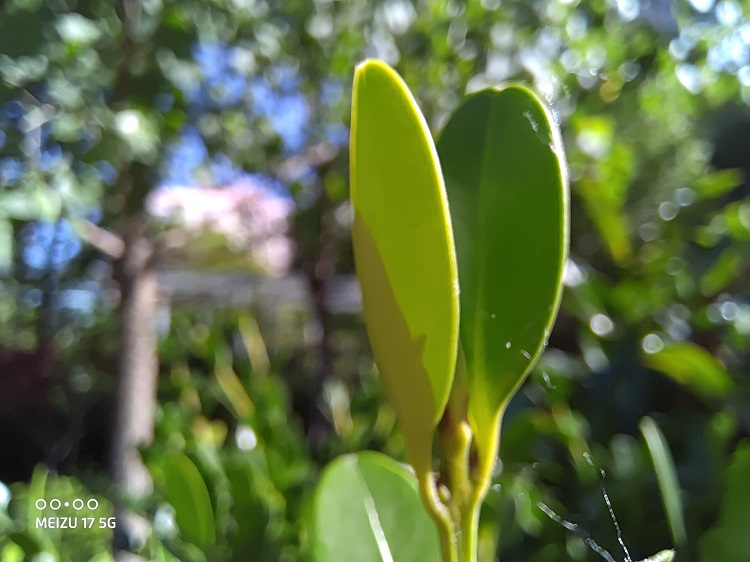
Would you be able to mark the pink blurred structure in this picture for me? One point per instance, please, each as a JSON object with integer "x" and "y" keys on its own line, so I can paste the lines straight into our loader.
{"x": 253, "y": 219}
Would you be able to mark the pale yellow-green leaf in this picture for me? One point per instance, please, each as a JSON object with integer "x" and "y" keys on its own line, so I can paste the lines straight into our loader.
{"x": 404, "y": 252}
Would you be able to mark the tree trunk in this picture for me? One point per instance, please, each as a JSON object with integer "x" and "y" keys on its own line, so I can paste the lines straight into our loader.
{"x": 137, "y": 379}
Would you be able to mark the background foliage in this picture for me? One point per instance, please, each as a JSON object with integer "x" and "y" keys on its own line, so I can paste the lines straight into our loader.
{"x": 255, "y": 397}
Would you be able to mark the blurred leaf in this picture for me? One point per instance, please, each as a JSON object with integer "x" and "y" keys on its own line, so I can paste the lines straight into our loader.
{"x": 737, "y": 216}
{"x": 403, "y": 248}
{"x": 37, "y": 489}
{"x": 666, "y": 476}
{"x": 186, "y": 491}
{"x": 505, "y": 175}
{"x": 604, "y": 192}
{"x": 595, "y": 137}
{"x": 76, "y": 29}
{"x": 722, "y": 272}
{"x": 335, "y": 186}
{"x": 718, "y": 183}
{"x": 102, "y": 557}
{"x": 22, "y": 31}
{"x": 249, "y": 483}
{"x": 233, "y": 390}
{"x": 11, "y": 552}
{"x": 140, "y": 130}
{"x": 30, "y": 204}
{"x": 255, "y": 345}
{"x": 663, "y": 556}
{"x": 729, "y": 540}
{"x": 692, "y": 366}
{"x": 367, "y": 508}
{"x": 612, "y": 225}
{"x": 28, "y": 543}
{"x": 6, "y": 245}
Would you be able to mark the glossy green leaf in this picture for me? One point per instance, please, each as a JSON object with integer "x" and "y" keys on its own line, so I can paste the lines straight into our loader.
{"x": 404, "y": 253}
{"x": 729, "y": 540}
{"x": 505, "y": 175}
{"x": 692, "y": 366}
{"x": 186, "y": 490}
{"x": 367, "y": 508}
{"x": 666, "y": 476}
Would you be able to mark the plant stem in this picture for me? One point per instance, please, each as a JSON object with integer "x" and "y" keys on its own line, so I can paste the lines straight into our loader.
{"x": 439, "y": 513}
{"x": 457, "y": 517}
{"x": 469, "y": 532}
{"x": 481, "y": 483}
{"x": 455, "y": 445}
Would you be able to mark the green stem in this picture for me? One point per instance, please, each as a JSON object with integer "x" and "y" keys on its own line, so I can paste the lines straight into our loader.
{"x": 439, "y": 513}
{"x": 469, "y": 533}
{"x": 481, "y": 482}
{"x": 455, "y": 438}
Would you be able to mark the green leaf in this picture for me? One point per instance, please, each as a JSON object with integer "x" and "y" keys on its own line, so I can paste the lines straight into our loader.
{"x": 11, "y": 552}
{"x": 507, "y": 185}
{"x": 231, "y": 386}
{"x": 367, "y": 508}
{"x": 78, "y": 30}
{"x": 404, "y": 252}
{"x": 22, "y": 31}
{"x": 691, "y": 366}
{"x": 718, "y": 183}
{"x": 729, "y": 540}
{"x": 666, "y": 476}
{"x": 186, "y": 490}
{"x": 723, "y": 271}
{"x": 604, "y": 187}
{"x": 29, "y": 205}
{"x": 38, "y": 538}
{"x": 6, "y": 245}
{"x": 663, "y": 556}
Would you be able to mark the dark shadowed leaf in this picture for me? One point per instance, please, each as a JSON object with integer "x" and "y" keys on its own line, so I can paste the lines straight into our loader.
{"x": 729, "y": 540}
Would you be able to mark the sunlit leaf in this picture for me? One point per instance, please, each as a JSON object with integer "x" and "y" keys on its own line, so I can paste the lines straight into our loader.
{"x": 663, "y": 556}
{"x": 11, "y": 552}
{"x": 233, "y": 389}
{"x": 76, "y": 29}
{"x": 507, "y": 186}
{"x": 718, "y": 183}
{"x": 604, "y": 191}
{"x": 367, "y": 508}
{"x": 737, "y": 216}
{"x": 692, "y": 366}
{"x": 404, "y": 253}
